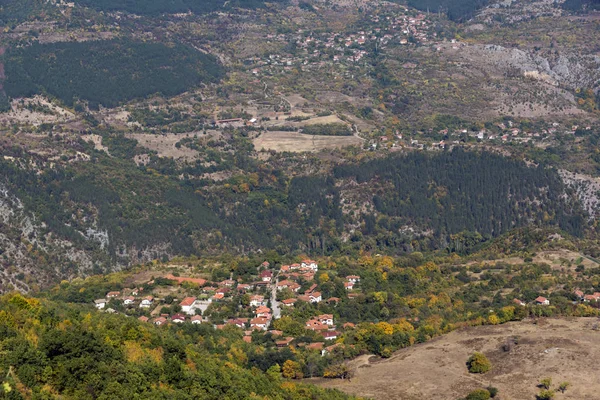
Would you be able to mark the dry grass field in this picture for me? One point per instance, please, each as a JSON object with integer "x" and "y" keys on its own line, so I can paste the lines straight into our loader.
{"x": 298, "y": 142}
{"x": 562, "y": 349}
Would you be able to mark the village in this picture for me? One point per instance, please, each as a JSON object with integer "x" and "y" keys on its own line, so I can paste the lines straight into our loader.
{"x": 309, "y": 50}
{"x": 274, "y": 293}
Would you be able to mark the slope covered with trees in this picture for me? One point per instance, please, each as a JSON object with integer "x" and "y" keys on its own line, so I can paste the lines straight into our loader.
{"x": 53, "y": 350}
{"x": 106, "y": 72}
{"x": 153, "y": 7}
{"x": 458, "y": 190}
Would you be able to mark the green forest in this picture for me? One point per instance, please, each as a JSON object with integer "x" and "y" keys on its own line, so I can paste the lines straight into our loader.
{"x": 153, "y": 7}
{"x": 456, "y": 10}
{"x": 53, "y": 350}
{"x": 448, "y": 193}
{"x": 106, "y": 72}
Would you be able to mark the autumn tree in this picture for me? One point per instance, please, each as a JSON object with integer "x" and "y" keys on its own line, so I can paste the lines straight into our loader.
{"x": 478, "y": 363}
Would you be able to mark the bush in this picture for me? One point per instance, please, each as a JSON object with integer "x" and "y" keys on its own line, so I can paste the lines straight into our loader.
{"x": 478, "y": 363}
{"x": 545, "y": 395}
{"x": 479, "y": 394}
{"x": 493, "y": 391}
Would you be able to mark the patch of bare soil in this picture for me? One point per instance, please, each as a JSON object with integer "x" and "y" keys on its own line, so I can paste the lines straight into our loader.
{"x": 562, "y": 349}
{"x": 164, "y": 144}
{"x": 299, "y": 142}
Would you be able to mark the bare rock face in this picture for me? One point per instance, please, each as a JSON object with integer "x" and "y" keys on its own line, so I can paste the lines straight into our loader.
{"x": 566, "y": 70}
{"x": 587, "y": 189}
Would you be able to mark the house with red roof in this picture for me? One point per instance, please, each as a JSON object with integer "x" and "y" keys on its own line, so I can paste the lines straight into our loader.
{"x": 262, "y": 311}
{"x": 266, "y": 275}
{"x": 315, "y": 297}
{"x": 147, "y": 302}
{"x": 326, "y": 319}
{"x": 289, "y": 302}
{"x": 330, "y": 335}
{"x": 312, "y": 264}
{"x": 259, "y": 323}
{"x": 542, "y": 301}
{"x": 178, "y": 318}
{"x": 257, "y": 300}
{"x": 189, "y": 305}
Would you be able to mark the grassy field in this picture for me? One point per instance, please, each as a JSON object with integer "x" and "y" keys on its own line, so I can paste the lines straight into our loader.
{"x": 298, "y": 142}
{"x": 562, "y": 349}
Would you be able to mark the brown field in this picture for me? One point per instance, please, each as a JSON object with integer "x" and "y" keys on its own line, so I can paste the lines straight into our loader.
{"x": 298, "y": 142}
{"x": 562, "y": 349}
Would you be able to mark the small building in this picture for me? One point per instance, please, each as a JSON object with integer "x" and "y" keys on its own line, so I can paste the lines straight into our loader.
{"x": 100, "y": 304}
{"x": 178, "y": 318}
{"x": 266, "y": 275}
{"x": 147, "y": 302}
{"x": 519, "y": 302}
{"x": 348, "y": 285}
{"x": 256, "y": 300}
{"x": 143, "y": 318}
{"x": 326, "y": 319}
{"x": 196, "y": 319}
{"x": 312, "y": 264}
{"x": 159, "y": 321}
{"x": 262, "y": 311}
{"x": 284, "y": 342}
{"x": 112, "y": 295}
{"x": 259, "y": 323}
{"x": 189, "y": 305}
{"x": 289, "y": 302}
{"x": 315, "y": 297}
{"x": 353, "y": 278}
{"x": 330, "y": 335}
{"x": 129, "y": 300}
{"x": 542, "y": 301}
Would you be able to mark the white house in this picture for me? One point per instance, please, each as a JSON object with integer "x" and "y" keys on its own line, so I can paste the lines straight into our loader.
{"x": 178, "y": 318}
{"x": 128, "y": 300}
{"x": 266, "y": 276}
{"x": 326, "y": 319}
{"x": 256, "y": 300}
{"x": 315, "y": 297}
{"x": 542, "y": 301}
{"x": 147, "y": 302}
{"x": 100, "y": 303}
{"x": 312, "y": 264}
{"x": 196, "y": 319}
{"x": 259, "y": 323}
{"x": 353, "y": 278}
{"x": 189, "y": 305}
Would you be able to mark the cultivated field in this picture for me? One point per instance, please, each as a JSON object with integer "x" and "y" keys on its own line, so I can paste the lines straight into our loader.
{"x": 298, "y": 142}
{"x": 562, "y": 349}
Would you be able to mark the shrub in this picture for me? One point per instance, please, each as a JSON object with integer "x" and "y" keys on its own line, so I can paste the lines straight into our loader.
{"x": 546, "y": 383}
{"x": 545, "y": 395}
{"x": 479, "y": 394}
{"x": 493, "y": 391}
{"x": 478, "y": 363}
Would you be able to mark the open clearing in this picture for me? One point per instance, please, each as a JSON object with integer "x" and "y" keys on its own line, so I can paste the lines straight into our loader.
{"x": 562, "y": 349}
{"x": 299, "y": 142}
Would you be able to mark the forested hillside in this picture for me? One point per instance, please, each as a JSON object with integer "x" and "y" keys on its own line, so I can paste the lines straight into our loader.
{"x": 51, "y": 350}
{"x": 106, "y": 72}
{"x": 457, "y": 191}
{"x": 153, "y": 7}
{"x": 456, "y": 10}
{"x": 114, "y": 210}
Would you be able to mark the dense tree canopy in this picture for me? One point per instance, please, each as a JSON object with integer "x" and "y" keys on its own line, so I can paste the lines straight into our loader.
{"x": 106, "y": 72}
